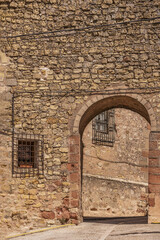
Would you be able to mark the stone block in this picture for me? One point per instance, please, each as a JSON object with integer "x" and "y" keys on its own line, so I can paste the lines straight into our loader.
{"x": 74, "y": 203}
{"x": 74, "y": 177}
{"x": 10, "y": 82}
{"x": 48, "y": 214}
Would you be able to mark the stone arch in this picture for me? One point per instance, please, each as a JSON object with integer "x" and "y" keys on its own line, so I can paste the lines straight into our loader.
{"x": 83, "y": 115}
{"x": 96, "y": 104}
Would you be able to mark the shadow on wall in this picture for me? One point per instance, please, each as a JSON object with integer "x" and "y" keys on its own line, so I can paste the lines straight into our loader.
{"x": 119, "y": 220}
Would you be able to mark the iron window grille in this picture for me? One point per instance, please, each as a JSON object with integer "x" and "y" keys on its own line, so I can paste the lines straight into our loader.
{"x": 103, "y": 128}
{"x": 27, "y": 155}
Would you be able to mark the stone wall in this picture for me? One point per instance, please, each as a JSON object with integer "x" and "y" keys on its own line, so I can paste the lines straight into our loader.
{"x": 103, "y": 197}
{"x": 7, "y": 187}
{"x": 115, "y": 178}
{"x": 55, "y": 74}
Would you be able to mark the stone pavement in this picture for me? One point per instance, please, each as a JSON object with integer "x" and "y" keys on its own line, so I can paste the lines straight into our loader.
{"x": 108, "y": 229}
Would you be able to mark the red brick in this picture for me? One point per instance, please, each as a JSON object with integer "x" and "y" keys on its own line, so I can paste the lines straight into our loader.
{"x": 154, "y": 170}
{"x": 155, "y": 179}
{"x": 153, "y": 145}
{"x": 74, "y": 157}
{"x": 75, "y": 221}
{"x": 154, "y": 153}
{"x": 154, "y": 136}
{"x": 73, "y": 216}
{"x": 74, "y": 149}
{"x": 144, "y": 169}
{"x": 151, "y": 202}
{"x": 66, "y": 202}
{"x": 72, "y": 166}
{"x": 153, "y": 188}
{"x": 145, "y": 153}
{"x": 63, "y": 214}
{"x": 74, "y": 139}
{"x": 74, "y": 177}
{"x": 48, "y": 215}
{"x": 74, "y": 194}
{"x": 153, "y": 162}
{"x": 74, "y": 203}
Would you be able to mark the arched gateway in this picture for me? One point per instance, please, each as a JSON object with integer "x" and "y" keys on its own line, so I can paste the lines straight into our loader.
{"x": 83, "y": 115}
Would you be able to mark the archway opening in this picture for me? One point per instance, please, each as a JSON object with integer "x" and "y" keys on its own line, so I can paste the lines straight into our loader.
{"x": 120, "y": 170}
{"x": 115, "y": 165}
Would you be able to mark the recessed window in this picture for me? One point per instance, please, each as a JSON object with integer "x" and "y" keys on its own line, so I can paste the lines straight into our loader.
{"x": 27, "y": 155}
{"x": 103, "y": 128}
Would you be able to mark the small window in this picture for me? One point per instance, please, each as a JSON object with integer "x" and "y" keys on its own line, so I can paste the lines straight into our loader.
{"x": 103, "y": 128}
{"x": 27, "y": 155}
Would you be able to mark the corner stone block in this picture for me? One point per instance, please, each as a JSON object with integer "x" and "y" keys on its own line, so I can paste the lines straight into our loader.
{"x": 74, "y": 177}
{"x": 74, "y": 149}
{"x": 74, "y": 139}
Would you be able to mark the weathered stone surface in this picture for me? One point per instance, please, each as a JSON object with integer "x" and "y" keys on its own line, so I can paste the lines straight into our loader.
{"x": 53, "y": 74}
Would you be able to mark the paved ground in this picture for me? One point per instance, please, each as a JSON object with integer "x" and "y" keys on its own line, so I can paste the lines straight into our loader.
{"x": 108, "y": 229}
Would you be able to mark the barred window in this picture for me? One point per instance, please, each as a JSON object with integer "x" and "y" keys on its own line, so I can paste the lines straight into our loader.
{"x": 103, "y": 125}
{"x": 27, "y": 155}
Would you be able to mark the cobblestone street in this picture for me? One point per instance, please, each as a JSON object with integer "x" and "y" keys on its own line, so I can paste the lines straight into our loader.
{"x": 115, "y": 229}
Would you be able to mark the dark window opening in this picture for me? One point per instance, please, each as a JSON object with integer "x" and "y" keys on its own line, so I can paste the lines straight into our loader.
{"x": 103, "y": 128}
{"x": 27, "y": 153}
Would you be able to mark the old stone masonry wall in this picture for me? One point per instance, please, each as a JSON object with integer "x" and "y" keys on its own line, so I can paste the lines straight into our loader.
{"x": 54, "y": 55}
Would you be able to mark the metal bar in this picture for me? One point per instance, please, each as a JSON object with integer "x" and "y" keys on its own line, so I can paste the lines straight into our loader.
{"x": 42, "y": 156}
{"x": 13, "y": 134}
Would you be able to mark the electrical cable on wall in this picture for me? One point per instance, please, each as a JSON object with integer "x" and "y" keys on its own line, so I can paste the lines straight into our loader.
{"x": 83, "y": 29}
{"x": 94, "y": 92}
